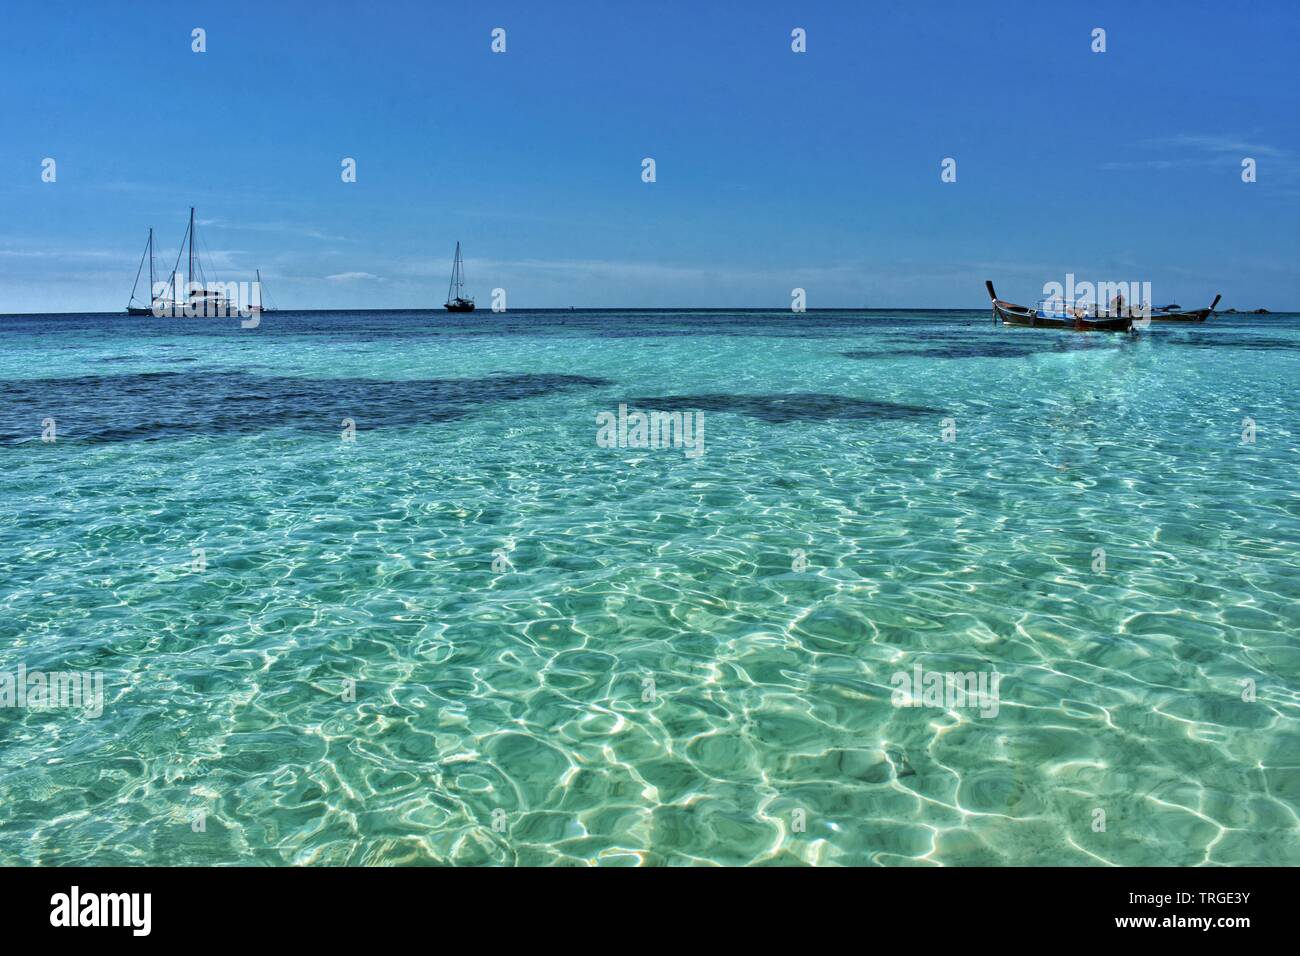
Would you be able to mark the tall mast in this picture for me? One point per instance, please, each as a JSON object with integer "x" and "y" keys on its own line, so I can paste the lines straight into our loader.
{"x": 190, "y": 281}
{"x": 455, "y": 268}
{"x": 151, "y": 266}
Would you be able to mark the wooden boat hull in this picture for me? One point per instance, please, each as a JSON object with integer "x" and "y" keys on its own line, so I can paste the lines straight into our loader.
{"x": 1186, "y": 315}
{"x": 1011, "y": 314}
{"x": 1196, "y": 315}
{"x": 459, "y": 306}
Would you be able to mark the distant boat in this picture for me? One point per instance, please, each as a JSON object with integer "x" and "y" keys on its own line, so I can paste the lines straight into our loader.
{"x": 458, "y": 302}
{"x": 198, "y": 301}
{"x": 1075, "y": 320}
{"x": 1173, "y": 313}
{"x": 131, "y": 307}
{"x": 258, "y": 306}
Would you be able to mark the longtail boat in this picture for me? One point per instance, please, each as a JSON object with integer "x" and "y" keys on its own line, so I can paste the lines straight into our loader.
{"x": 1012, "y": 314}
{"x": 1171, "y": 313}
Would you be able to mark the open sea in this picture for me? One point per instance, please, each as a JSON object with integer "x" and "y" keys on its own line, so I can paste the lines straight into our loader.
{"x": 456, "y": 629}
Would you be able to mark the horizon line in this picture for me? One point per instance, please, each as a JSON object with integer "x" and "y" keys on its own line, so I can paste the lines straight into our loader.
{"x": 570, "y": 309}
{"x": 550, "y": 308}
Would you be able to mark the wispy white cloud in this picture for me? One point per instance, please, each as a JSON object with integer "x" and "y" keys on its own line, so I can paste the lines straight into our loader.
{"x": 1152, "y": 164}
{"x": 353, "y": 277}
{"x": 1188, "y": 150}
{"x": 58, "y": 254}
{"x": 1214, "y": 144}
{"x": 287, "y": 229}
{"x": 299, "y": 230}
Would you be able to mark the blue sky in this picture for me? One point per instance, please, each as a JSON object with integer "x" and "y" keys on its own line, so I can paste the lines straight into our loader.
{"x": 775, "y": 170}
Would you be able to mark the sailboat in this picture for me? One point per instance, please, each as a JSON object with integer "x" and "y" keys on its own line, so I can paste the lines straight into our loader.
{"x": 131, "y": 307}
{"x": 459, "y": 303}
{"x": 197, "y": 301}
{"x": 259, "y": 305}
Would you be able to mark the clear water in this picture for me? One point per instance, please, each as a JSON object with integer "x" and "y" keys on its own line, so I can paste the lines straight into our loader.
{"x": 503, "y": 591}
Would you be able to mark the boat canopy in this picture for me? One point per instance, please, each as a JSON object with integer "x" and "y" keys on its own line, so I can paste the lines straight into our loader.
{"x": 1057, "y": 307}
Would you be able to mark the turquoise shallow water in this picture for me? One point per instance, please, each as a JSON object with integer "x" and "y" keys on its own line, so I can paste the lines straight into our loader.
{"x": 564, "y": 653}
